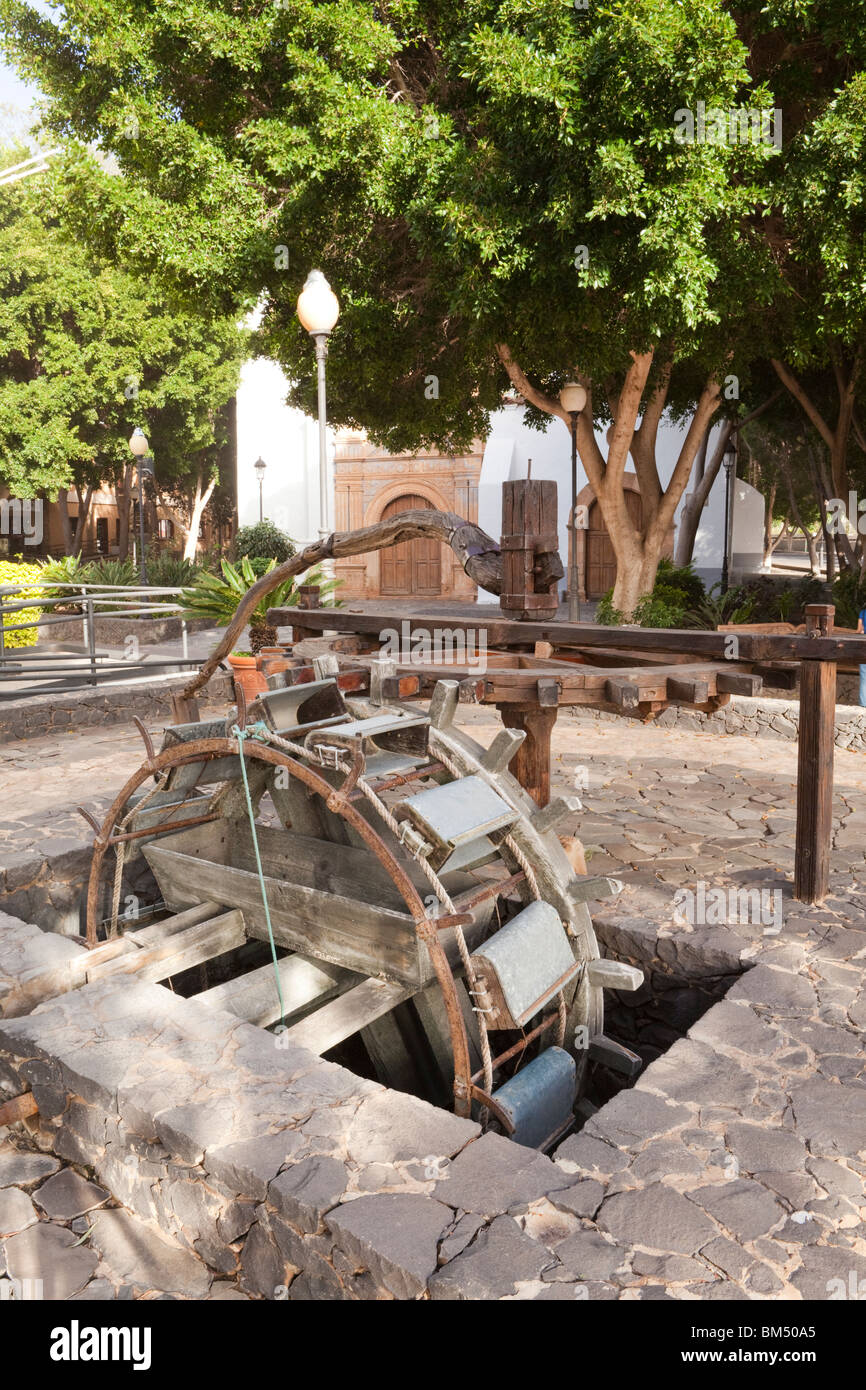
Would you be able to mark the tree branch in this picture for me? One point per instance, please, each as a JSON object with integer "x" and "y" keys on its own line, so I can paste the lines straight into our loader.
{"x": 478, "y": 553}
{"x": 627, "y": 410}
{"x": 706, "y": 408}
{"x": 790, "y": 381}
{"x": 549, "y": 404}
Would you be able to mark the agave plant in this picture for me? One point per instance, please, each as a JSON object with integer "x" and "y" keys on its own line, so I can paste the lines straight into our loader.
{"x": 216, "y": 600}
{"x": 66, "y": 570}
{"x": 718, "y": 608}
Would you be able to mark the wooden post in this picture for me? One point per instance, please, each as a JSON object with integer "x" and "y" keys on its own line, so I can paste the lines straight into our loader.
{"x": 815, "y": 764}
{"x": 184, "y": 711}
{"x": 531, "y": 762}
{"x": 531, "y": 567}
{"x": 308, "y": 597}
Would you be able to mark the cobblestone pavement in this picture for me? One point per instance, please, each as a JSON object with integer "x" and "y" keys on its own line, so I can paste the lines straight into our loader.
{"x": 733, "y": 1169}
{"x": 666, "y": 788}
{"x": 64, "y": 1237}
{"x": 42, "y": 780}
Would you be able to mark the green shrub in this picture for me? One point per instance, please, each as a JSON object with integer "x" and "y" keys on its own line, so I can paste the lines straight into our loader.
{"x": 775, "y": 602}
{"x": 167, "y": 571}
{"x": 686, "y": 587}
{"x": 716, "y": 608}
{"x": 65, "y": 569}
{"x": 664, "y": 609}
{"x": 17, "y": 572}
{"x": 606, "y": 614}
{"x": 849, "y": 596}
{"x": 110, "y": 573}
{"x": 658, "y": 610}
{"x": 216, "y": 599}
{"x": 264, "y": 541}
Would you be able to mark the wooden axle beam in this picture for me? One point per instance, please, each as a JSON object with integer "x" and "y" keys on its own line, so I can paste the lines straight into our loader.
{"x": 500, "y": 632}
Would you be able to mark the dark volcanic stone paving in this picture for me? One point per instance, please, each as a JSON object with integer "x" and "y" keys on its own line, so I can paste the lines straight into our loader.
{"x": 733, "y": 1169}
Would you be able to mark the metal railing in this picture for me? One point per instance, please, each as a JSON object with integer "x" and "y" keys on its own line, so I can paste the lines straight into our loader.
{"x": 31, "y": 671}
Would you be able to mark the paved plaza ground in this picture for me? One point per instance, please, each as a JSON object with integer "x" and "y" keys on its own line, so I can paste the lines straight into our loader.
{"x": 731, "y": 1169}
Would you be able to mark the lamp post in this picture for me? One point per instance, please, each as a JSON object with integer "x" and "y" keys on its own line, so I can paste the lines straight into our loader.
{"x": 730, "y": 462}
{"x": 318, "y": 311}
{"x": 572, "y": 398}
{"x": 260, "y": 467}
{"x": 140, "y": 448}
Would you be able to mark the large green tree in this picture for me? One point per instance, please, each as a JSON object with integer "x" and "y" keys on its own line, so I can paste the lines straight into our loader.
{"x": 88, "y": 350}
{"x": 499, "y": 192}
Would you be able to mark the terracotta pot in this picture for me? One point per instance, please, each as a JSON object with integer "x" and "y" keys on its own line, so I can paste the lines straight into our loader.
{"x": 248, "y": 676}
{"x": 273, "y": 659}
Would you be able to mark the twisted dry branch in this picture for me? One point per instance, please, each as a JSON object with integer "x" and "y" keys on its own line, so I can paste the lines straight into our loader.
{"x": 478, "y": 553}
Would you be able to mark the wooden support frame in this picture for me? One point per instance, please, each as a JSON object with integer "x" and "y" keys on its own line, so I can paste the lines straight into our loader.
{"x": 693, "y": 667}
{"x": 815, "y": 754}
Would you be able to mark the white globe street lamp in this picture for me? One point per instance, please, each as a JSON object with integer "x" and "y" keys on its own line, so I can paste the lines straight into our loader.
{"x": 318, "y": 311}
{"x": 140, "y": 447}
{"x": 260, "y": 467}
{"x": 572, "y": 398}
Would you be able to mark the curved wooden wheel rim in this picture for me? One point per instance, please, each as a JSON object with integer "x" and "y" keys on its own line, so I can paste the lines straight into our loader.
{"x": 209, "y": 749}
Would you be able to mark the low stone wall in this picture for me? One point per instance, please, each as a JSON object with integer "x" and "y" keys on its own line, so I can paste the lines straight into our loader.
{"x": 732, "y": 1170}
{"x": 751, "y": 718}
{"x": 51, "y": 886}
{"x": 34, "y": 716}
{"x": 114, "y": 629}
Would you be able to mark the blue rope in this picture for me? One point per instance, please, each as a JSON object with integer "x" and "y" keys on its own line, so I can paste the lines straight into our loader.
{"x": 241, "y": 735}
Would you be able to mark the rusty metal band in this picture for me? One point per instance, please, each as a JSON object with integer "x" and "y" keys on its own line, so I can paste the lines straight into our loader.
{"x": 208, "y": 749}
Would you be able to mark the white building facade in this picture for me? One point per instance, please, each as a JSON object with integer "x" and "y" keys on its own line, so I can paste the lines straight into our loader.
{"x": 287, "y": 441}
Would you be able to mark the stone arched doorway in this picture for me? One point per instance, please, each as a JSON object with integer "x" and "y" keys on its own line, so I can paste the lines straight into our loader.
{"x": 600, "y": 564}
{"x": 414, "y": 567}
{"x": 596, "y": 562}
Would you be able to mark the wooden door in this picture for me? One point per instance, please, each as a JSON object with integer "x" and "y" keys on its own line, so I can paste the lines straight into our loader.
{"x": 600, "y": 559}
{"x": 414, "y": 567}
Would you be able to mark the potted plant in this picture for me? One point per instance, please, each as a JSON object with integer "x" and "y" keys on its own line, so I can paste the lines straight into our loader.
{"x": 216, "y": 599}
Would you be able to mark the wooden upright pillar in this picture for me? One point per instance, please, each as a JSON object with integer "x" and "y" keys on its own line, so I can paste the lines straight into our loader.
{"x": 531, "y": 762}
{"x": 815, "y": 765}
{"x": 531, "y": 567}
{"x": 308, "y": 597}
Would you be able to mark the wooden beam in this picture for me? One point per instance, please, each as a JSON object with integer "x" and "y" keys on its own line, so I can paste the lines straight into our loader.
{"x": 180, "y": 952}
{"x": 622, "y": 692}
{"x": 694, "y": 690}
{"x": 500, "y": 632}
{"x": 254, "y": 996}
{"x": 531, "y": 762}
{"x": 815, "y": 753}
{"x": 338, "y": 1020}
{"x": 136, "y": 938}
{"x": 784, "y": 676}
{"x": 738, "y": 683}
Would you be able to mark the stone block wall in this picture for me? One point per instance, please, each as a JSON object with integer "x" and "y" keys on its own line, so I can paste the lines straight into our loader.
{"x": 38, "y": 715}
{"x": 750, "y": 718}
{"x": 735, "y": 1168}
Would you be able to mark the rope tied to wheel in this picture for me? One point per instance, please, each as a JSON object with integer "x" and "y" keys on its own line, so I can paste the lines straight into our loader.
{"x": 261, "y": 731}
{"x": 242, "y": 735}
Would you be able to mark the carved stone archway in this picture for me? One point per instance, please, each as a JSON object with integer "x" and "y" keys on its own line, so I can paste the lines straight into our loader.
{"x": 411, "y": 485}
{"x": 585, "y": 500}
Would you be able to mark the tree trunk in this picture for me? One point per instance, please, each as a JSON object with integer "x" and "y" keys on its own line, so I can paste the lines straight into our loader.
{"x": 65, "y": 523}
{"x": 768, "y": 525}
{"x": 634, "y": 580}
{"x": 123, "y": 497}
{"x": 200, "y": 501}
{"x": 83, "y": 513}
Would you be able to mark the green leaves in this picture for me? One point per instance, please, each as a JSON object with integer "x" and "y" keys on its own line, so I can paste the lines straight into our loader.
{"x": 216, "y": 600}
{"x": 89, "y": 348}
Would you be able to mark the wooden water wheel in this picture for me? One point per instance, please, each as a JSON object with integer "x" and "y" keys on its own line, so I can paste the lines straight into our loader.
{"x": 414, "y": 898}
